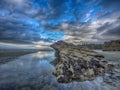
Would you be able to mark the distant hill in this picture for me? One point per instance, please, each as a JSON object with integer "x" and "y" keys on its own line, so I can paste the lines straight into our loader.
{"x": 113, "y": 45}
{"x": 93, "y": 46}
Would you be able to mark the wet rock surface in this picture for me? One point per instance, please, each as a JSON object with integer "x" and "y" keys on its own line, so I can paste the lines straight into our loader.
{"x": 74, "y": 63}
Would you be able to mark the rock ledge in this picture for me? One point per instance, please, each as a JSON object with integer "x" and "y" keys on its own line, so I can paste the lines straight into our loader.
{"x": 74, "y": 63}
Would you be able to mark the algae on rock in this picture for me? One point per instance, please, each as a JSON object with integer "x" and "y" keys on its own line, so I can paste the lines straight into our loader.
{"x": 75, "y": 63}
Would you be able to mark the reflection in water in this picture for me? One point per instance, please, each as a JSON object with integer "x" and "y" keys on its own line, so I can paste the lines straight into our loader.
{"x": 34, "y": 72}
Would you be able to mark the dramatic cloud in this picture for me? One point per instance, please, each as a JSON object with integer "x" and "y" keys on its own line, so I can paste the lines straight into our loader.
{"x": 108, "y": 28}
{"x": 46, "y": 21}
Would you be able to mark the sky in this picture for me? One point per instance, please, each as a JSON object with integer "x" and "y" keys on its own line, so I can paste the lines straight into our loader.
{"x": 43, "y": 22}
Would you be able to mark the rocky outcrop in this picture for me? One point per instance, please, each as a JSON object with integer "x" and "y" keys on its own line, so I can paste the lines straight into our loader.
{"x": 76, "y": 63}
{"x": 112, "y": 46}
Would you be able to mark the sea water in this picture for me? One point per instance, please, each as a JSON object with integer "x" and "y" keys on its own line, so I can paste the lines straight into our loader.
{"x": 34, "y": 72}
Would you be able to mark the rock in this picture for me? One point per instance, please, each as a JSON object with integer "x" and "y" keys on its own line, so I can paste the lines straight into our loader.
{"x": 82, "y": 78}
{"x": 110, "y": 67}
{"x": 61, "y": 79}
{"x": 75, "y": 63}
{"x": 90, "y": 72}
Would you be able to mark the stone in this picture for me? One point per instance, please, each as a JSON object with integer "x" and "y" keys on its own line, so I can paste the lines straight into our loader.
{"x": 90, "y": 72}
{"x": 61, "y": 78}
{"x": 110, "y": 67}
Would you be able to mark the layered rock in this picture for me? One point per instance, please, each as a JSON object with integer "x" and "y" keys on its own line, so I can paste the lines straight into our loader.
{"x": 112, "y": 45}
{"x": 76, "y": 63}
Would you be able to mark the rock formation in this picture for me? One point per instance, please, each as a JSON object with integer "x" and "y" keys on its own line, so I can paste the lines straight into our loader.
{"x": 112, "y": 45}
{"x": 74, "y": 63}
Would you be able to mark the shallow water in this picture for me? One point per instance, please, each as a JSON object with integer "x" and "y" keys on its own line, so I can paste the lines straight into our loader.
{"x": 34, "y": 72}
{"x": 111, "y": 81}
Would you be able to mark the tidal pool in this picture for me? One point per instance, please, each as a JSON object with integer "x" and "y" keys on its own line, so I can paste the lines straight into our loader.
{"x": 34, "y": 72}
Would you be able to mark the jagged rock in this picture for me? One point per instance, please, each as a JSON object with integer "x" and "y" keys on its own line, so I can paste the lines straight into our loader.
{"x": 111, "y": 67}
{"x": 76, "y": 63}
{"x": 61, "y": 78}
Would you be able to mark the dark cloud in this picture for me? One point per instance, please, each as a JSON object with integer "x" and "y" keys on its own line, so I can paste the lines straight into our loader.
{"x": 113, "y": 32}
{"x": 110, "y": 3}
{"x": 47, "y": 20}
{"x": 108, "y": 28}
